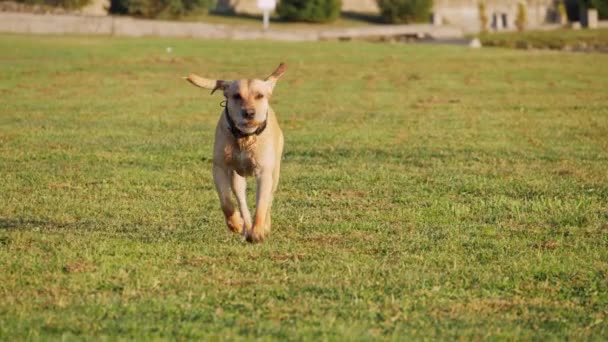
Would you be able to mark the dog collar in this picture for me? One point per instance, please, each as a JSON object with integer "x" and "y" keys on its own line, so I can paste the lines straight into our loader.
{"x": 237, "y": 133}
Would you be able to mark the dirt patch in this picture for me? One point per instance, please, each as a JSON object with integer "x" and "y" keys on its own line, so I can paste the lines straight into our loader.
{"x": 79, "y": 266}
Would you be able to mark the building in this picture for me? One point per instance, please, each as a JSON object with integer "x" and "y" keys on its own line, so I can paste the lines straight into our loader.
{"x": 501, "y": 14}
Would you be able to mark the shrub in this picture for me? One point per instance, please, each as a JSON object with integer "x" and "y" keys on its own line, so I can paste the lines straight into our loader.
{"x": 405, "y": 11}
{"x": 601, "y": 6}
{"x": 159, "y": 8}
{"x": 309, "y": 10}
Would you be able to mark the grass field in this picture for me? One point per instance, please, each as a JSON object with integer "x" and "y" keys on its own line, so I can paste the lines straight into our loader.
{"x": 426, "y": 192}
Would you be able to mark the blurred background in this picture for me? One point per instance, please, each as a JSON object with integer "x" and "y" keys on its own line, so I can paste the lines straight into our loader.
{"x": 303, "y": 20}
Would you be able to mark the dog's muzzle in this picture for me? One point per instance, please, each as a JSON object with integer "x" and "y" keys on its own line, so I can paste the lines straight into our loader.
{"x": 248, "y": 114}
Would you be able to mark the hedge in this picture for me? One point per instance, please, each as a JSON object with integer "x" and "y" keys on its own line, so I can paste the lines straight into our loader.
{"x": 309, "y": 10}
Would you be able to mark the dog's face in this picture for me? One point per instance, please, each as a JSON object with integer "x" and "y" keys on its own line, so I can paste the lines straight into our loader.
{"x": 247, "y": 103}
{"x": 246, "y": 100}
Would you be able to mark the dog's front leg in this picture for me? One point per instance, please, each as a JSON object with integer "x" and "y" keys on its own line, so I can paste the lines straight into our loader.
{"x": 239, "y": 187}
{"x": 222, "y": 178}
{"x": 262, "y": 205}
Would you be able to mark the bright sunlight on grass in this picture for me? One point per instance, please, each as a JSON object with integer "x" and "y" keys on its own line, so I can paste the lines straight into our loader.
{"x": 426, "y": 191}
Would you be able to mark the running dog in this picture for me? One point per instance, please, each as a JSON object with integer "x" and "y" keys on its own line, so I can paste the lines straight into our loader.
{"x": 248, "y": 142}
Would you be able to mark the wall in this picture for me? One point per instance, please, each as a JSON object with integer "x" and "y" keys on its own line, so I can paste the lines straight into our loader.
{"x": 360, "y": 6}
{"x": 125, "y": 26}
{"x": 96, "y": 7}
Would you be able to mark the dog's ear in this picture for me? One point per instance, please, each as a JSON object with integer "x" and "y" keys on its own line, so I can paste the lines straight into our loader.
{"x": 207, "y": 83}
{"x": 274, "y": 77}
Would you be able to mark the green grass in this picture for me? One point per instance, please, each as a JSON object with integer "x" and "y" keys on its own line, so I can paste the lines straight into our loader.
{"x": 426, "y": 192}
{"x": 586, "y": 40}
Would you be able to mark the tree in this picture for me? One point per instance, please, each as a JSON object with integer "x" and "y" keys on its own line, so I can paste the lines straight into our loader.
{"x": 309, "y": 10}
{"x": 405, "y": 11}
{"x": 159, "y": 8}
{"x": 600, "y": 5}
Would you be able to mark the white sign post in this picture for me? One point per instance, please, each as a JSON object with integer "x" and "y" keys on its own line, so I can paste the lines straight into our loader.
{"x": 266, "y": 6}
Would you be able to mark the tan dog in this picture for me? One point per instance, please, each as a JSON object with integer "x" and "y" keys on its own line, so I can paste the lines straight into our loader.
{"x": 248, "y": 142}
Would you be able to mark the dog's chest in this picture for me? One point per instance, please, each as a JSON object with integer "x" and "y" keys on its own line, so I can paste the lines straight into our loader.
{"x": 244, "y": 163}
{"x": 242, "y": 158}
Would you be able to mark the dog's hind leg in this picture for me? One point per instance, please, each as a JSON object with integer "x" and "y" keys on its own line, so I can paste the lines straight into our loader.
{"x": 239, "y": 187}
{"x": 222, "y": 185}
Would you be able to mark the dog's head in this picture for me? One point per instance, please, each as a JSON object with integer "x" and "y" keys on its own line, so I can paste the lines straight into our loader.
{"x": 246, "y": 100}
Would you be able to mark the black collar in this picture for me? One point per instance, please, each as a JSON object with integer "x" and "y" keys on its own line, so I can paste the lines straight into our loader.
{"x": 237, "y": 133}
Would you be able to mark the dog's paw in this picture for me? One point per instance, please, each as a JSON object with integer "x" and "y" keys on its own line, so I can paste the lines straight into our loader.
{"x": 235, "y": 224}
{"x": 254, "y": 236}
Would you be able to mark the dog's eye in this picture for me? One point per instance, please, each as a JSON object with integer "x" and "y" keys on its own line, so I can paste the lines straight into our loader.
{"x": 259, "y": 96}
{"x": 236, "y": 97}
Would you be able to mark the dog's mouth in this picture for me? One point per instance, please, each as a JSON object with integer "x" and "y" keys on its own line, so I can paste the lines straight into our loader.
{"x": 250, "y": 124}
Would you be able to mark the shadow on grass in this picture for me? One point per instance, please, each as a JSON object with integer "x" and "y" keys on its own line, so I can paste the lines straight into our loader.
{"x": 20, "y": 223}
{"x": 145, "y": 233}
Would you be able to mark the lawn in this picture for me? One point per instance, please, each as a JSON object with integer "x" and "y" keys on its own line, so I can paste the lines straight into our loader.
{"x": 426, "y": 192}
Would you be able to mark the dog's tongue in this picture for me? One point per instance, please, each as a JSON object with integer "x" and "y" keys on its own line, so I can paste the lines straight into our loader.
{"x": 253, "y": 124}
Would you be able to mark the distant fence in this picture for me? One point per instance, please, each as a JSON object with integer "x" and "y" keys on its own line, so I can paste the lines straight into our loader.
{"x": 125, "y": 26}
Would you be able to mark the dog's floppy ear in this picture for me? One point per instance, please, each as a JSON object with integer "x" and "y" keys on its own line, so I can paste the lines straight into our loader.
{"x": 207, "y": 83}
{"x": 274, "y": 77}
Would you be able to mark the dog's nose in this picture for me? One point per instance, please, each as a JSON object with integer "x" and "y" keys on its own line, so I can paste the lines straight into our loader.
{"x": 248, "y": 113}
